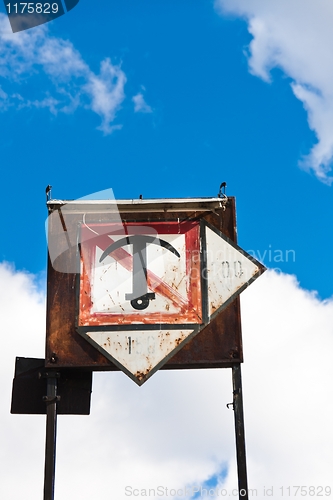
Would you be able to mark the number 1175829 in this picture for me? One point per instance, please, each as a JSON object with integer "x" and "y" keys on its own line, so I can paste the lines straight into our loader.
{"x": 32, "y": 8}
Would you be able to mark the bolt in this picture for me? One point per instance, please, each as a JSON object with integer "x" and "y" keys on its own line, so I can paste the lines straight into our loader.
{"x": 53, "y": 358}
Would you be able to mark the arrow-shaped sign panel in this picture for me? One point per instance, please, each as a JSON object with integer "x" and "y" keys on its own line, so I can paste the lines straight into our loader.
{"x": 147, "y": 288}
{"x": 229, "y": 270}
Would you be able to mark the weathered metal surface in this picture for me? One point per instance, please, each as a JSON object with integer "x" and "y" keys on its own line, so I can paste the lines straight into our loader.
{"x": 173, "y": 279}
{"x": 82, "y": 206}
{"x": 217, "y": 345}
{"x": 139, "y": 352}
{"x": 229, "y": 269}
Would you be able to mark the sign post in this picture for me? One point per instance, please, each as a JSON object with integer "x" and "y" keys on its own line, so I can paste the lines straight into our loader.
{"x": 50, "y": 399}
{"x": 239, "y": 431}
{"x": 138, "y": 286}
{"x": 37, "y": 390}
{"x": 143, "y": 285}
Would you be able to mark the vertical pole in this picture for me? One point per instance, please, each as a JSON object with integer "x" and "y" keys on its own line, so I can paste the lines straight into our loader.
{"x": 51, "y": 434}
{"x": 239, "y": 431}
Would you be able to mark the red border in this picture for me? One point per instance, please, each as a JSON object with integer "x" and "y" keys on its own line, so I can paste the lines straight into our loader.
{"x": 190, "y": 309}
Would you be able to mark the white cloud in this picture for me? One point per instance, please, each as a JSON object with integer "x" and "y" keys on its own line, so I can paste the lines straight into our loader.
{"x": 288, "y": 342}
{"x": 35, "y": 53}
{"x": 296, "y": 36}
{"x": 3, "y": 94}
{"x": 140, "y": 105}
{"x": 22, "y": 334}
{"x": 107, "y": 92}
{"x": 175, "y": 431}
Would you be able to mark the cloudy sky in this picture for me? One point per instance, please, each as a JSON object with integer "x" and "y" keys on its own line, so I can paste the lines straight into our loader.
{"x": 169, "y": 99}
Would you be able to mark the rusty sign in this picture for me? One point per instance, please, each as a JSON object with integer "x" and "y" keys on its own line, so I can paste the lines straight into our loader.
{"x": 149, "y": 277}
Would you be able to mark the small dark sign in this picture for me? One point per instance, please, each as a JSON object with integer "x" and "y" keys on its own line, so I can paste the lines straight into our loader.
{"x": 29, "y": 389}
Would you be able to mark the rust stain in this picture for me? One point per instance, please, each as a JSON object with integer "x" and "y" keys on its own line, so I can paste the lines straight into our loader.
{"x": 215, "y": 346}
{"x": 154, "y": 282}
{"x": 141, "y": 374}
{"x": 188, "y": 308}
{"x": 214, "y": 307}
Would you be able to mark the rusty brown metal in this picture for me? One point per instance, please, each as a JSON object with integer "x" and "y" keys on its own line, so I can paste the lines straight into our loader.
{"x": 185, "y": 309}
{"x": 218, "y": 345}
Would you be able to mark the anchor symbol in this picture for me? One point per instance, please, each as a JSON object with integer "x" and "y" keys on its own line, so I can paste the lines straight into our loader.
{"x": 140, "y": 297}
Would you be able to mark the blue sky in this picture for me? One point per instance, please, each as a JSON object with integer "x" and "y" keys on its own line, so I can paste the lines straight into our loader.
{"x": 169, "y": 99}
{"x": 207, "y": 119}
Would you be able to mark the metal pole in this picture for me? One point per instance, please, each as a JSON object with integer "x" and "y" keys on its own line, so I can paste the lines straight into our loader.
{"x": 51, "y": 434}
{"x": 239, "y": 431}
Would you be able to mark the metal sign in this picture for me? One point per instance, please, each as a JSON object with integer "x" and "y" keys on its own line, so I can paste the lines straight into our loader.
{"x": 143, "y": 296}
{"x": 148, "y": 279}
{"x": 30, "y": 387}
{"x": 136, "y": 285}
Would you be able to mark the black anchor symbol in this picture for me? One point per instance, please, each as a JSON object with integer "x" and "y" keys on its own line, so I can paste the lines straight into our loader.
{"x": 140, "y": 297}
